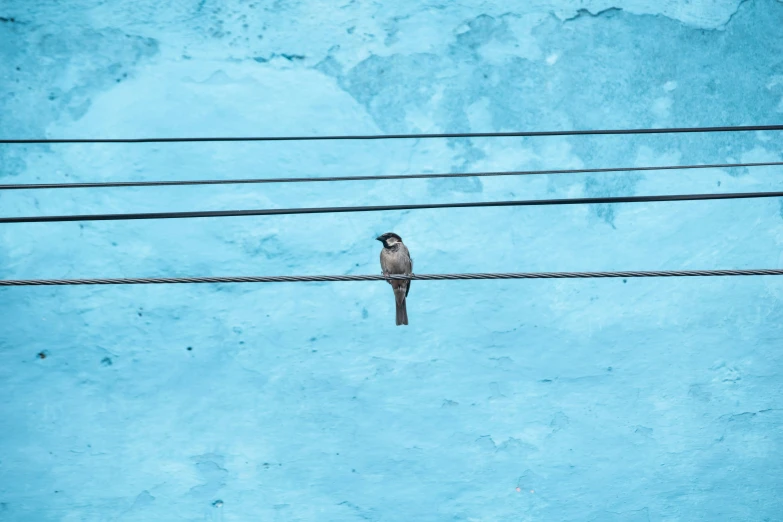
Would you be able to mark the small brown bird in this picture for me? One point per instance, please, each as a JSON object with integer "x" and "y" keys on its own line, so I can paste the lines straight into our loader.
{"x": 396, "y": 260}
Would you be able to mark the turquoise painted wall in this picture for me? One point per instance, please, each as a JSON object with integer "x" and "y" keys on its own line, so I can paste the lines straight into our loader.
{"x": 637, "y": 400}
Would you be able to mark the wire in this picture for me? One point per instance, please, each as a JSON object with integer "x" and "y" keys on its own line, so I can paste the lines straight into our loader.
{"x": 673, "y": 130}
{"x": 420, "y": 277}
{"x": 112, "y": 184}
{"x": 333, "y": 210}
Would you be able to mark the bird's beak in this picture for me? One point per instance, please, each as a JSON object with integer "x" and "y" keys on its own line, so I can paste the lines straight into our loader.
{"x": 379, "y": 238}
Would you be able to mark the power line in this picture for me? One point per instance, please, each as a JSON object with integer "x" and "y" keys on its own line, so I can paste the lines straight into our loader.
{"x": 521, "y": 134}
{"x": 420, "y": 277}
{"x": 113, "y": 184}
{"x": 381, "y": 208}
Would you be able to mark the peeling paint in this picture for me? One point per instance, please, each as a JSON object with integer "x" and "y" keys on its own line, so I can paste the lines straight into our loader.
{"x": 538, "y": 400}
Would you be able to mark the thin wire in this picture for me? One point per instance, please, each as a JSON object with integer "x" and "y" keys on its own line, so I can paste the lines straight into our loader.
{"x": 381, "y": 208}
{"x": 113, "y": 184}
{"x": 672, "y": 130}
{"x": 420, "y": 277}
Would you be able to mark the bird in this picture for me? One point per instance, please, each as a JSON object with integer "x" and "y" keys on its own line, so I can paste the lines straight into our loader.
{"x": 396, "y": 260}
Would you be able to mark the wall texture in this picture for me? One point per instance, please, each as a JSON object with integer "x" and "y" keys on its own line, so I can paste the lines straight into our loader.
{"x": 637, "y": 400}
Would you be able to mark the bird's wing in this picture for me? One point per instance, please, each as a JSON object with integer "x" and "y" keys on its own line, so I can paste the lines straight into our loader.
{"x": 410, "y": 271}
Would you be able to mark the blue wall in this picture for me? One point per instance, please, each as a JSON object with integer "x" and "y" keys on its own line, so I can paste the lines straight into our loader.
{"x": 565, "y": 400}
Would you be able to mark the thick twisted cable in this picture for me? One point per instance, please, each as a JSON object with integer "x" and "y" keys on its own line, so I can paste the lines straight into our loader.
{"x": 120, "y": 184}
{"x": 415, "y": 277}
{"x": 518, "y": 134}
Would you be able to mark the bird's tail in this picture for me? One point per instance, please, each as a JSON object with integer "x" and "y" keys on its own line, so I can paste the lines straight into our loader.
{"x": 402, "y": 310}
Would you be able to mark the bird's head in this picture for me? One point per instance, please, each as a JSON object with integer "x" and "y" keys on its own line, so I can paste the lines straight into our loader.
{"x": 389, "y": 239}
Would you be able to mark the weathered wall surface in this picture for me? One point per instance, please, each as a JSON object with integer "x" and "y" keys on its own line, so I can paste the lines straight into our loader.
{"x": 607, "y": 400}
